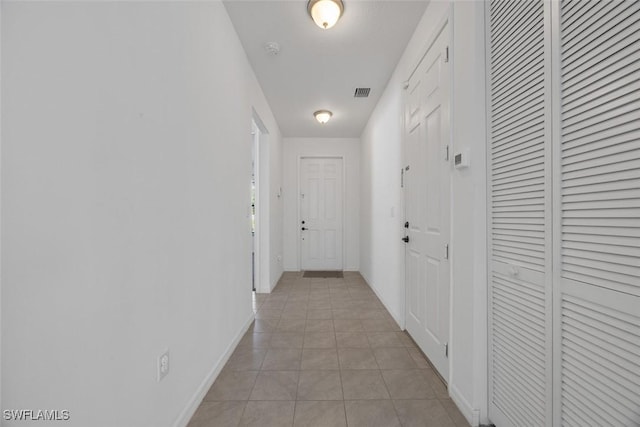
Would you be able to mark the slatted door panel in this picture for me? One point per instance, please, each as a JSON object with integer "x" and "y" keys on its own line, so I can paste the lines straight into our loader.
{"x": 600, "y": 363}
{"x": 519, "y": 292}
{"x": 597, "y": 327}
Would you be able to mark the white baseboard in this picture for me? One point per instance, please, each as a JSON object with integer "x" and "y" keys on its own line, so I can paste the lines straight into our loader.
{"x": 187, "y": 413}
{"x": 472, "y": 415}
{"x": 297, "y": 270}
{"x": 273, "y": 285}
{"x": 395, "y": 316}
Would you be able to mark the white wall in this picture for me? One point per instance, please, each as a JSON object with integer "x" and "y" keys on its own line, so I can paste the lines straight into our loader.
{"x": 382, "y": 218}
{"x": 468, "y": 382}
{"x": 349, "y": 150}
{"x": 125, "y": 190}
{"x": 1, "y": 274}
{"x": 382, "y": 252}
{"x": 276, "y": 210}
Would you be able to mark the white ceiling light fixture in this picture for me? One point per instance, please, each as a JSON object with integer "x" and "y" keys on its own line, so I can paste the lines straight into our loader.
{"x": 325, "y": 13}
{"x": 323, "y": 116}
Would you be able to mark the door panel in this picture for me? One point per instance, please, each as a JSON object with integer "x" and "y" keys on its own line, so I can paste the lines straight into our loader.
{"x": 564, "y": 285}
{"x": 434, "y": 172}
{"x": 321, "y": 202}
{"x": 432, "y": 300}
{"x": 597, "y": 245}
{"x": 427, "y": 195}
{"x": 520, "y": 219}
{"x": 313, "y": 196}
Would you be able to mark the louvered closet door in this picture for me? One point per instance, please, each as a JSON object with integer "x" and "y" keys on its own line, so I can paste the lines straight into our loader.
{"x": 597, "y": 228}
{"x": 520, "y": 380}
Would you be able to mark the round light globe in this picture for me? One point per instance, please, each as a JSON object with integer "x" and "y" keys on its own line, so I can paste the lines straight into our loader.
{"x": 323, "y": 116}
{"x": 325, "y": 13}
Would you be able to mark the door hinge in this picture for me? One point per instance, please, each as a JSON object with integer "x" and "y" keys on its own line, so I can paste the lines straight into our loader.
{"x": 446, "y": 251}
{"x": 402, "y": 178}
{"x": 446, "y": 153}
{"x": 446, "y": 54}
{"x": 446, "y": 349}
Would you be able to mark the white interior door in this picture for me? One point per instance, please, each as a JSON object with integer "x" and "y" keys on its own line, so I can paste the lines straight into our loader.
{"x": 520, "y": 214}
{"x": 427, "y": 200}
{"x": 597, "y": 223}
{"x": 564, "y": 288}
{"x": 321, "y": 200}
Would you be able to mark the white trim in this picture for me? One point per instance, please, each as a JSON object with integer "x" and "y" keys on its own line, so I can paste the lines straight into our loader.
{"x": 0, "y": 199}
{"x": 258, "y": 120}
{"x": 265, "y": 212}
{"x": 344, "y": 213}
{"x": 431, "y": 40}
{"x": 263, "y": 205}
{"x": 187, "y": 413}
{"x": 447, "y": 23}
{"x": 481, "y": 257}
{"x": 298, "y": 246}
{"x": 472, "y": 415}
{"x": 255, "y": 133}
{"x": 351, "y": 269}
{"x": 399, "y": 320}
{"x": 488, "y": 212}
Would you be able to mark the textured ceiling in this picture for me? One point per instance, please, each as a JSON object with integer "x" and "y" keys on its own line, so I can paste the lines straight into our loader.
{"x": 320, "y": 69}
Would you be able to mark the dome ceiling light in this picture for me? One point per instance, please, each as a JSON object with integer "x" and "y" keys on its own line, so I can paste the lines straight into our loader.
{"x": 325, "y": 13}
{"x": 323, "y": 116}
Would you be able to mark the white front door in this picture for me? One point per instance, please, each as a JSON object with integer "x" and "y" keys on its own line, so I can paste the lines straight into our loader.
{"x": 321, "y": 213}
{"x": 427, "y": 178}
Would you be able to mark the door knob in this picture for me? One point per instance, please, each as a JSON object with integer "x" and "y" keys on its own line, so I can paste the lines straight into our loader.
{"x": 405, "y": 239}
{"x": 304, "y": 228}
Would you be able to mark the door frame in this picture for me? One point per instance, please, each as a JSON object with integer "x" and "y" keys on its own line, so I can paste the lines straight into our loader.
{"x": 298, "y": 201}
{"x": 446, "y": 22}
{"x": 261, "y": 142}
{"x": 255, "y": 238}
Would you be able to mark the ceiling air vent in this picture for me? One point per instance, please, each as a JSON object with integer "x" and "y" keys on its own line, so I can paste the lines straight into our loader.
{"x": 361, "y": 92}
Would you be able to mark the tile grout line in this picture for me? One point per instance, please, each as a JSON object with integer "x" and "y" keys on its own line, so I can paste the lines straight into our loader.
{"x": 360, "y": 302}
{"x": 344, "y": 404}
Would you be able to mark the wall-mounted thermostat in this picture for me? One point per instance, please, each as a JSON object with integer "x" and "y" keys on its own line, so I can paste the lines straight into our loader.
{"x": 461, "y": 159}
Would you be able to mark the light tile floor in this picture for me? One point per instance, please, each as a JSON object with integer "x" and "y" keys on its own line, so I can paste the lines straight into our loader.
{"x": 325, "y": 352}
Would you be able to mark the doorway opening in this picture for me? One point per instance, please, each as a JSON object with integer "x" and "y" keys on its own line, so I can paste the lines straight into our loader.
{"x": 258, "y": 207}
{"x": 255, "y": 133}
